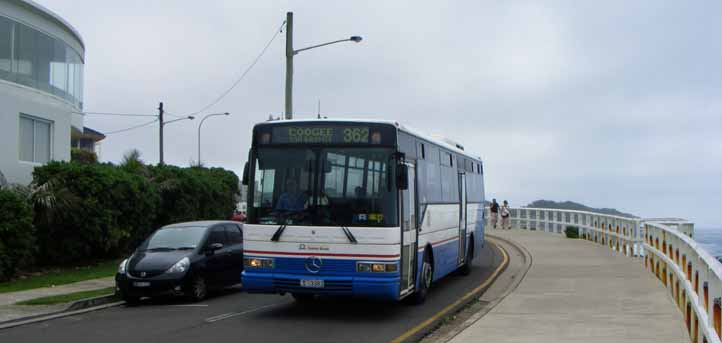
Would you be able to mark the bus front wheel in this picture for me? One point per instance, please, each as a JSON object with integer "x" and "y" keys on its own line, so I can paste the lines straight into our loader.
{"x": 427, "y": 275}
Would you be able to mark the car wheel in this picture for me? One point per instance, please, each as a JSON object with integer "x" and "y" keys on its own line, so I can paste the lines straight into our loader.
{"x": 427, "y": 275}
{"x": 197, "y": 289}
{"x": 466, "y": 267}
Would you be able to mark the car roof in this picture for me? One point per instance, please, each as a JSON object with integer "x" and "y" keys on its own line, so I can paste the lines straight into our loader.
{"x": 203, "y": 223}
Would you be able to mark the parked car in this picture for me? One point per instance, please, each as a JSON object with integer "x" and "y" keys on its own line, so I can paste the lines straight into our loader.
{"x": 183, "y": 259}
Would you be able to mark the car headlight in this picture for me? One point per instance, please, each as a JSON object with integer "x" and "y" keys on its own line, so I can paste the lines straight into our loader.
{"x": 377, "y": 267}
{"x": 254, "y": 262}
{"x": 122, "y": 266}
{"x": 180, "y": 267}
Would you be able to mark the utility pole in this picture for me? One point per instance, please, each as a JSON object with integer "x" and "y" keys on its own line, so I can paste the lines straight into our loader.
{"x": 160, "y": 119}
{"x": 289, "y": 65}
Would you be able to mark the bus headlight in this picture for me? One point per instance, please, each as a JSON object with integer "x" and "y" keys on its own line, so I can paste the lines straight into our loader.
{"x": 255, "y": 262}
{"x": 378, "y": 267}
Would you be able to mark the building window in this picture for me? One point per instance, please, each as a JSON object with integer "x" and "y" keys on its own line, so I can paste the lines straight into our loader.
{"x": 35, "y": 59}
{"x": 35, "y": 139}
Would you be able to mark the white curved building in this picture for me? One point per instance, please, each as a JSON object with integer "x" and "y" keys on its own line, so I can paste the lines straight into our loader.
{"x": 41, "y": 88}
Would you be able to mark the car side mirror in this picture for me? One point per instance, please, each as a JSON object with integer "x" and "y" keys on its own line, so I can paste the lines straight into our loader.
{"x": 402, "y": 177}
{"x": 244, "y": 181}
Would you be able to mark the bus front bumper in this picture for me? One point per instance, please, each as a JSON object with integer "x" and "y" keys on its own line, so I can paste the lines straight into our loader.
{"x": 382, "y": 288}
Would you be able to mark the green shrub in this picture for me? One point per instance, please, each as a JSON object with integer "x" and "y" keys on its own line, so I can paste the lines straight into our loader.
{"x": 572, "y": 232}
{"x": 194, "y": 193}
{"x": 17, "y": 236}
{"x": 83, "y": 156}
{"x": 86, "y": 211}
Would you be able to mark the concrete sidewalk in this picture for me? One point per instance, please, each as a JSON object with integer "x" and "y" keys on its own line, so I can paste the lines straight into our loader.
{"x": 9, "y": 311}
{"x": 578, "y": 291}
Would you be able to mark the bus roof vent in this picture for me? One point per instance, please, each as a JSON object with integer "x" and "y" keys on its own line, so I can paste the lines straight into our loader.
{"x": 449, "y": 141}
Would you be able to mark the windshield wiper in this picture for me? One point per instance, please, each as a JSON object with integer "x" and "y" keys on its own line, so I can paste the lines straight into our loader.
{"x": 187, "y": 248}
{"x": 160, "y": 249}
{"x": 279, "y": 232}
{"x": 349, "y": 235}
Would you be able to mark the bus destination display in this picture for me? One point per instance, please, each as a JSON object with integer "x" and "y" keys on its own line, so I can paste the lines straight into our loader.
{"x": 323, "y": 135}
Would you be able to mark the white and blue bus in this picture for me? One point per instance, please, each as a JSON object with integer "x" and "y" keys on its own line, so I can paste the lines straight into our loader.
{"x": 358, "y": 208}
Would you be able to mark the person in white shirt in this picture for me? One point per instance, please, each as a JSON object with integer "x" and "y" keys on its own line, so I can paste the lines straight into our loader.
{"x": 505, "y": 214}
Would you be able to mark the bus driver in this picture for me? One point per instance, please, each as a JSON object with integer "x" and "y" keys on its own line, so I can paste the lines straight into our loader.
{"x": 292, "y": 200}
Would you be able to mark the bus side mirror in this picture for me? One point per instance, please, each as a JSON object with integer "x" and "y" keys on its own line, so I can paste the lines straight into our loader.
{"x": 244, "y": 181}
{"x": 402, "y": 177}
{"x": 326, "y": 166}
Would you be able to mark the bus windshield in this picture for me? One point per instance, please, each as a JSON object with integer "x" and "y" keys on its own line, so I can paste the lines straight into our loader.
{"x": 323, "y": 187}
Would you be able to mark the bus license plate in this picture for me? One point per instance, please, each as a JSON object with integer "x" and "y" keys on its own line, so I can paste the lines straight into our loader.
{"x": 141, "y": 284}
{"x": 312, "y": 283}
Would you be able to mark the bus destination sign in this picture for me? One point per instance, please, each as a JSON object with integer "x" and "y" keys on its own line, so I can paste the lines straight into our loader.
{"x": 324, "y": 135}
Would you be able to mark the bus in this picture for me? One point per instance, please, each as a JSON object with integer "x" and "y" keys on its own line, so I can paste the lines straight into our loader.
{"x": 361, "y": 208}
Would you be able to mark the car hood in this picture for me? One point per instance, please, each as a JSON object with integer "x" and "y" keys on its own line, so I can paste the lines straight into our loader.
{"x": 155, "y": 261}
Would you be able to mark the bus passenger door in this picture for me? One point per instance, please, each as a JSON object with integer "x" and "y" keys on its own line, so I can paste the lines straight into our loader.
{"x": 462, "y": 218}
{"x": 409, "y": 232}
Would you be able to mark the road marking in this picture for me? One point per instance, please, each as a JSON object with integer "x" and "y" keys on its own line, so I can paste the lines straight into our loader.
{"x": 236, "y": 314}
{"x": 448, "y": 309}
{"x": 190, "y": 305}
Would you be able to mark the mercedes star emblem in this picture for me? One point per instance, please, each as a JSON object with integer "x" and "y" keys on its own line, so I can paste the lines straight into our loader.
{"x": 313, "y": 264}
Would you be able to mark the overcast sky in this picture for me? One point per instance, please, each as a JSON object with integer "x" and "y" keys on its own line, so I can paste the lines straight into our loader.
{"x": 611, "y": 104}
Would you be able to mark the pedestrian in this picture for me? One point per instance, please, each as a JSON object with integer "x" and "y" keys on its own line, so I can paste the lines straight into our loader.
{"x": 494, "y": 208}
{"x": 505, "y": 213}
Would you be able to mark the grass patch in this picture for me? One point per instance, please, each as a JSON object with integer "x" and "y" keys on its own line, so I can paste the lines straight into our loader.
{"x": 66, "y": 298}
{"x": 61, "y": 276}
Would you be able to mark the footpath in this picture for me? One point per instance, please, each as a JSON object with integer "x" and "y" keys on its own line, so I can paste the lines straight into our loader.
{"x": 10, "y": 311}
{"x": 578, "y": 291}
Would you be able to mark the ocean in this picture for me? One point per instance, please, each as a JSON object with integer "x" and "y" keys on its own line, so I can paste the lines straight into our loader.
{"x": 710, "y": 239}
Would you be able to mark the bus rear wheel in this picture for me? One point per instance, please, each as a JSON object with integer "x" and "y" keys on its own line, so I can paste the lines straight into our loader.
{"x": 427, "y": 275}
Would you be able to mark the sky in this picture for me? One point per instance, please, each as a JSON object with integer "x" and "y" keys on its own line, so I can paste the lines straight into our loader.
{"x": 611, "y": 104}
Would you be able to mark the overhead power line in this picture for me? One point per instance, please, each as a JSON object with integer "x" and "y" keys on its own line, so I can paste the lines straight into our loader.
{"x": 119, "y": 114}
{"x": 131, "y": 128}
{"x": 263, "y": 51}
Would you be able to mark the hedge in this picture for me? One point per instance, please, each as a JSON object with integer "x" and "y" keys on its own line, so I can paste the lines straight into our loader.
{"x": 195, "y": 193}
{"x": 83, "y": 156}
{"x": 90, "y": 211}
{"x": 98, "y": 211}
{"x": 17, "y": 236}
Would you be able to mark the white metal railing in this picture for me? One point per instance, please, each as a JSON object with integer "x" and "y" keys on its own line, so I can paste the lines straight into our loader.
{"x": 693, "y": 276}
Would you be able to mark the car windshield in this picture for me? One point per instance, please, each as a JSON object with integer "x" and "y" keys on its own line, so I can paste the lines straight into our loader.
{"x": 180, "y": 237}
{"x": 324, "y": 187}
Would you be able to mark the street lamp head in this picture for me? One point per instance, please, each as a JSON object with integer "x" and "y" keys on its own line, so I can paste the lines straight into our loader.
{"x": 355, "y": 39}
{"x": 191, "y": 117}
{"x": 227, "y": 113}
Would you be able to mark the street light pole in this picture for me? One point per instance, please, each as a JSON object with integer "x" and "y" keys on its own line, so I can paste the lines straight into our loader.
{"x": 160, "y": 133}
{"x": 199, "y": 131}
{"x": 289, "y": 65}
{"x": 289, "y": 60}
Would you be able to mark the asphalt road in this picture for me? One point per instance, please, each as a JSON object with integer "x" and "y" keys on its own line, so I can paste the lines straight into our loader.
{"x": 235, "y": 316}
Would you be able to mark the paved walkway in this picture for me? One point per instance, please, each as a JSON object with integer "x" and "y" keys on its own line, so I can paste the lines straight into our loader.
{"x": 8, "y": 311}
{"x": 577, "y": 291}
{"x": 89, "y": 285}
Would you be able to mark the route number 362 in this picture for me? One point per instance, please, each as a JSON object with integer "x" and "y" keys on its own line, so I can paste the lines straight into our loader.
{"x": 356, "y": 135}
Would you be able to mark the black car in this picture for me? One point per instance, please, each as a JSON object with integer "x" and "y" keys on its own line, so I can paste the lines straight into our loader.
{"x": 183, "y": 259}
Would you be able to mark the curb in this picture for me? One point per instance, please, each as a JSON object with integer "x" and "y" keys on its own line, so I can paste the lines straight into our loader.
{"x": 527, "y": 256}
{"x": 76, "y": 307}
{"x": 430, "y": 327}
